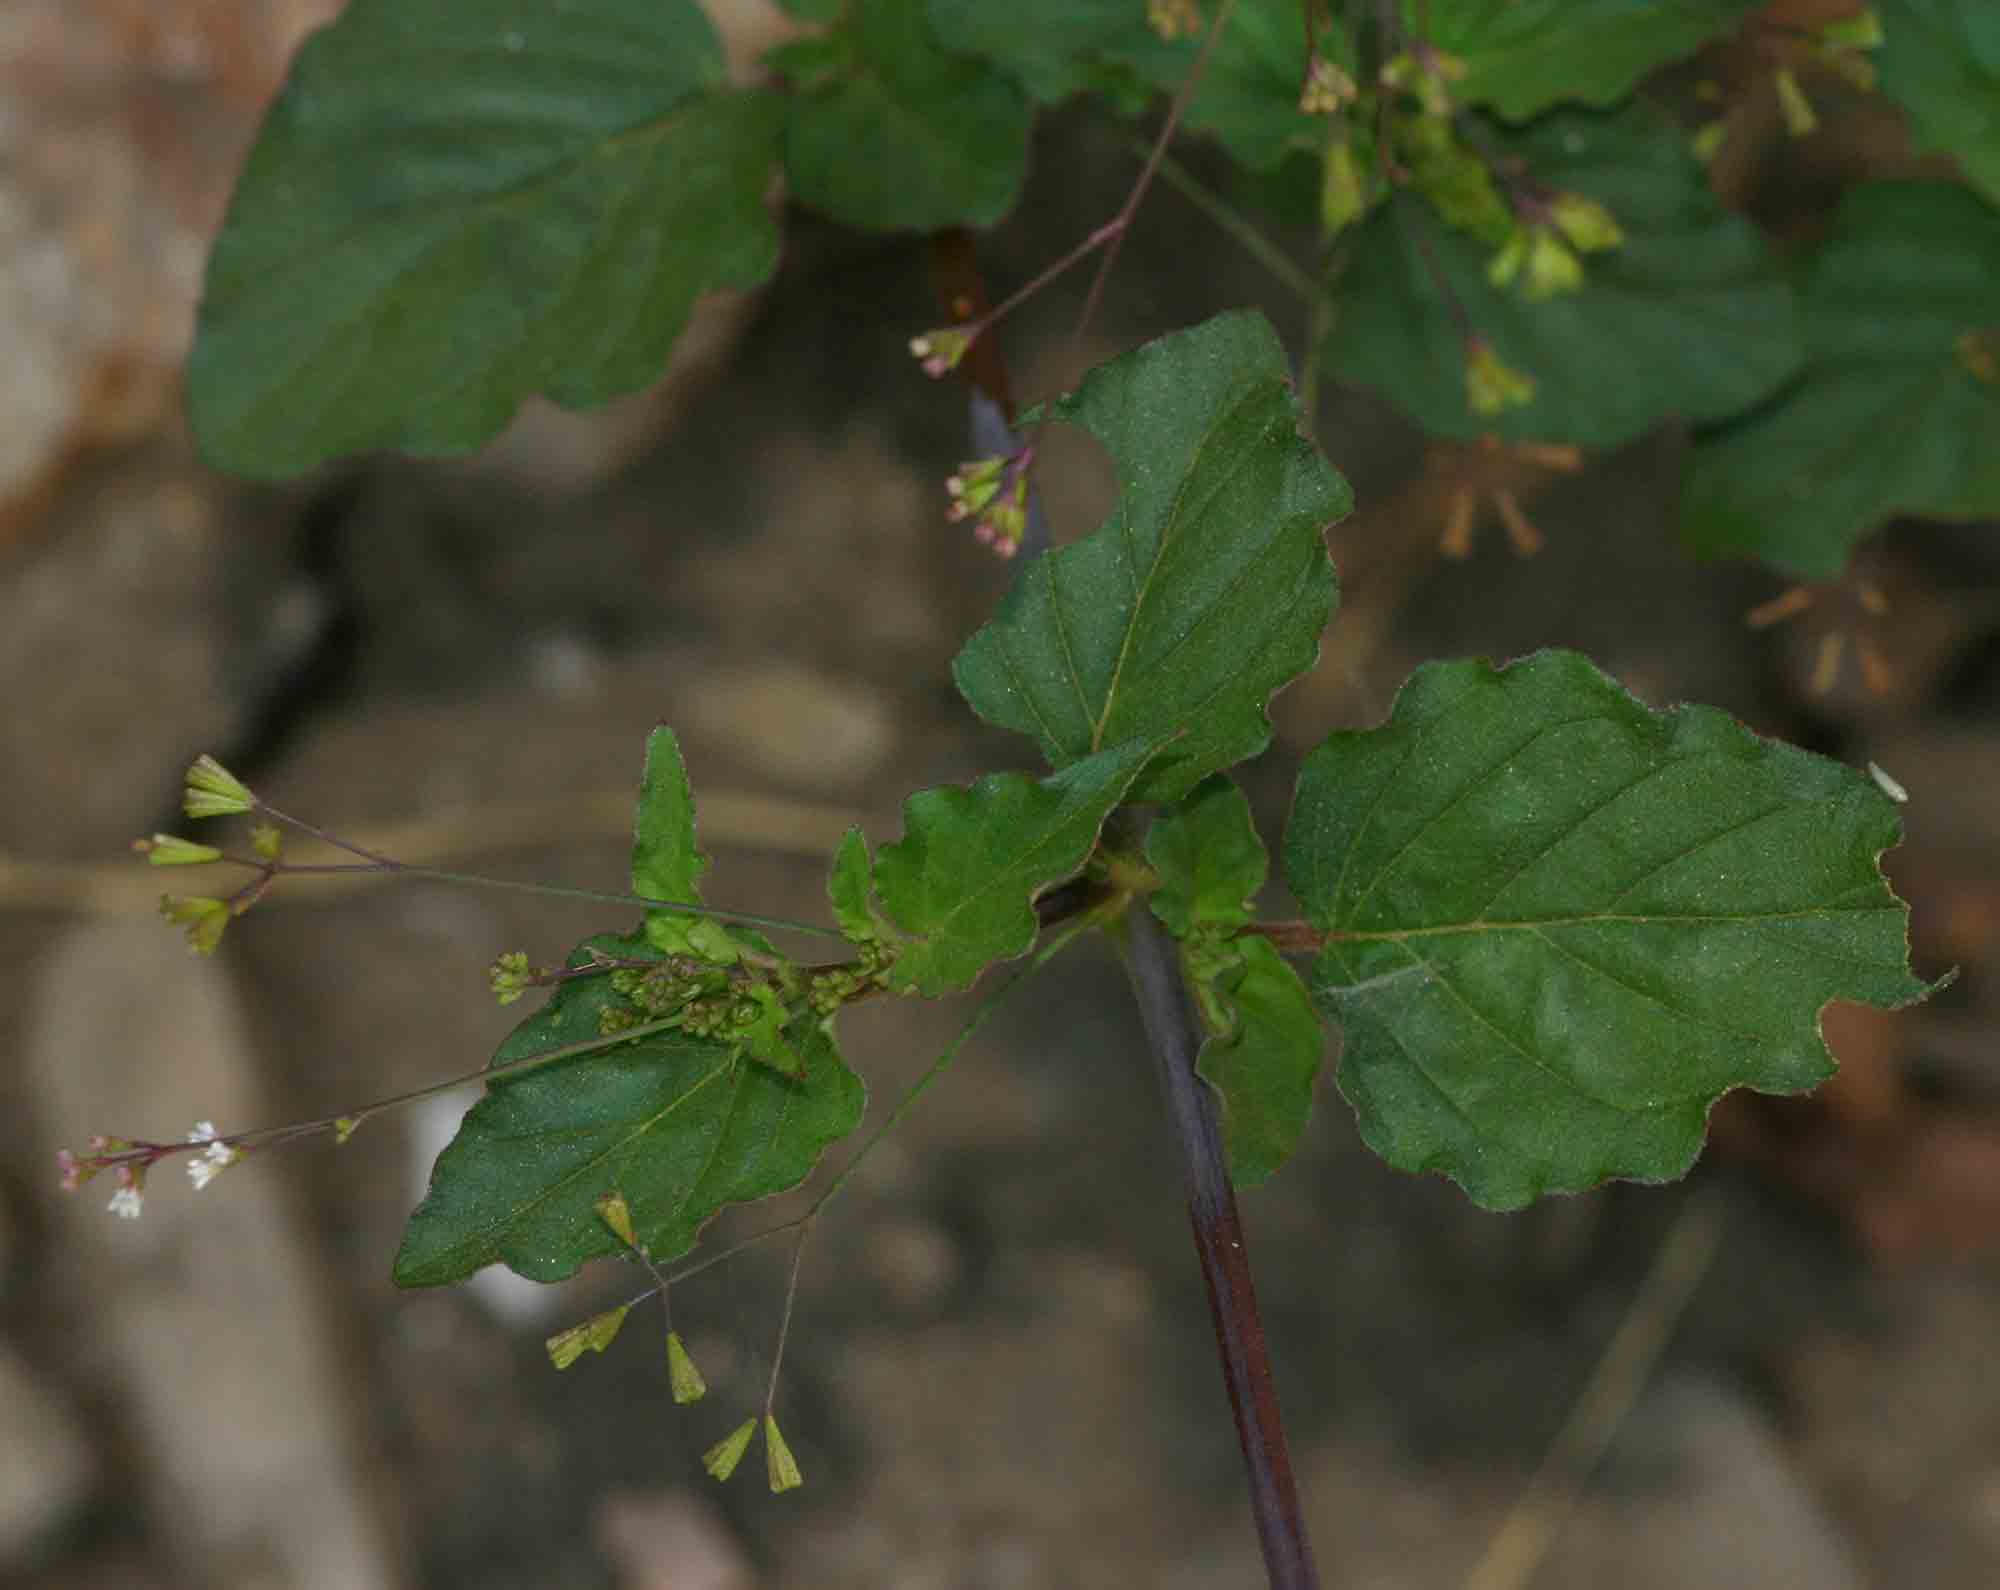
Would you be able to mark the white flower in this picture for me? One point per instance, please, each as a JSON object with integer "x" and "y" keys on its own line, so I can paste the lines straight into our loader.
{"x": 207, "y": 1166}
{"x": 128, "y": 1203}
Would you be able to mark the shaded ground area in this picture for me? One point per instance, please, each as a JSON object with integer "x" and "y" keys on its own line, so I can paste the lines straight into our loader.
{"x": 1001, "y": 1374}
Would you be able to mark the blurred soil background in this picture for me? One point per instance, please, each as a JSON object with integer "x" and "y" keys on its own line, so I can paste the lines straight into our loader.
{"x": 1001, "y": 1374}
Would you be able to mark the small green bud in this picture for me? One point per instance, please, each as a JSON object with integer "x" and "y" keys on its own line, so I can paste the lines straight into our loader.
{"x": 1862, "y": 31}
{"x": 681, "y": 1372}
{"x": 721, "y": 1459}
{"x": 213, "y": 791}
{"x": 593, "y": 1335}
{"x": 345, "y": 1127}
{"x": 1490, "y": 385}
{"x": 1552, "y": 268}
{"x": 203, "y": 917}
{"x": 267, "y": 841}
{"x": 617, "y": 1214}
{"x": 781, "y": 1465}
{"x": 1585, "y": 223}
{"x": 166, "y": 850}
{"x": 510, "y": 976}
{"x": 1709, "y": 138}
{"x": 1504, "y": 266}
{"x": 1343, "y": 191}
{"x": 1801, "y": 121}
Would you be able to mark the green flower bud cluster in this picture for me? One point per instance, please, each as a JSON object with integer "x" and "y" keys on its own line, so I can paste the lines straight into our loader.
{"x": 827, "y": 990}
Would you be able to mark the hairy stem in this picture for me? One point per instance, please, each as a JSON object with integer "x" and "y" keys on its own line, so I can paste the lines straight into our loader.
{"x": 1218, "y": 1238}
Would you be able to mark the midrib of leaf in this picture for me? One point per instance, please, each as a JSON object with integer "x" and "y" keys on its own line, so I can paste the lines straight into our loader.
{"x": 500, "y": 1222}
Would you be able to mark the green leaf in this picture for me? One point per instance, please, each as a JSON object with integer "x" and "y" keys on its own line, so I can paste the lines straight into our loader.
{"x": 911, "y": 136}
{"x": 962, "y": 880}
{"x": 1209, "y": 858}
{"x": 1206, "y": 589}
{"x": 1940, "y": 60}
{"x": 1898, "y": 409}
{"x": 1688, "y": 317}
{"x": 458, "y": 203}
{"x": 1561, "y": 924}
{"x": 680, "y": 1126}
{"x": 1264, "y": 1061}
{"x": 849, "y": 889}
{"x": 1264, "y": 1043}
{"x": 1047, "y": 46}
{"x": 666, "y": 865}
{"x": 1248, "y": 96}
{"x": 1524, "y": 56}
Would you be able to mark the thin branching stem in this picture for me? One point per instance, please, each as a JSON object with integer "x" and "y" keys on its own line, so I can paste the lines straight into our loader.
{"x": 1123, "y": 220}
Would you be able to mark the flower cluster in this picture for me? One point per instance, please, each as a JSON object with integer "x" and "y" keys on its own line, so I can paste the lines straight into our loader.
{"x": 217, "y": 1155}
{"x": 941, "y": 349}
{"x": 128, "y": 1159}
{"x": 1542, "y": 252}
{"x": 993, "y": 493}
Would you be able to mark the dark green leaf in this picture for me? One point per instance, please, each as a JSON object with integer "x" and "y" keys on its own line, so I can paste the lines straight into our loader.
{"x": 680, "y": 1127}
{"x": 1940, "y": 59}
{"x": 1264, "y": 1063}
{"x": 963, "y": 878}
{"x": 1524, "y": 56}
{"x": 458, "y": 203}
{"x": 1248, "y": 96}
{"x": 1204, "y": 592}
{"x": 1898, "y": 409}
{"x": 1209, "y": 859}
{"x": 1688, "y": 317}
{"x": 1047, "y": 46}
{"x": 1561, "y": 924}
{"x": 911, "y": 136}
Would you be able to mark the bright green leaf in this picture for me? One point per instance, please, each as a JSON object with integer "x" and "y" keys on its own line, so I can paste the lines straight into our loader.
{"x": 1560, "y": 924}
{"x": 1523, "y": 56}
{"x": 962, "y": 880}
{"x": 850, "y": 890}
{"x": 1206, "y": 589}
{"x": 457, "y": 203}
{"x": 1688, "y": 317}
{"x": 911, "y": 136}
{"x": 1209, "y": 858}
{"x": 666, "y": 865}
{"x": 1264, "y": 1065}
{"x": 681, "y": 1127}
{"x": 1940, "y": 59}
{"x": 1898, "y": 409}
